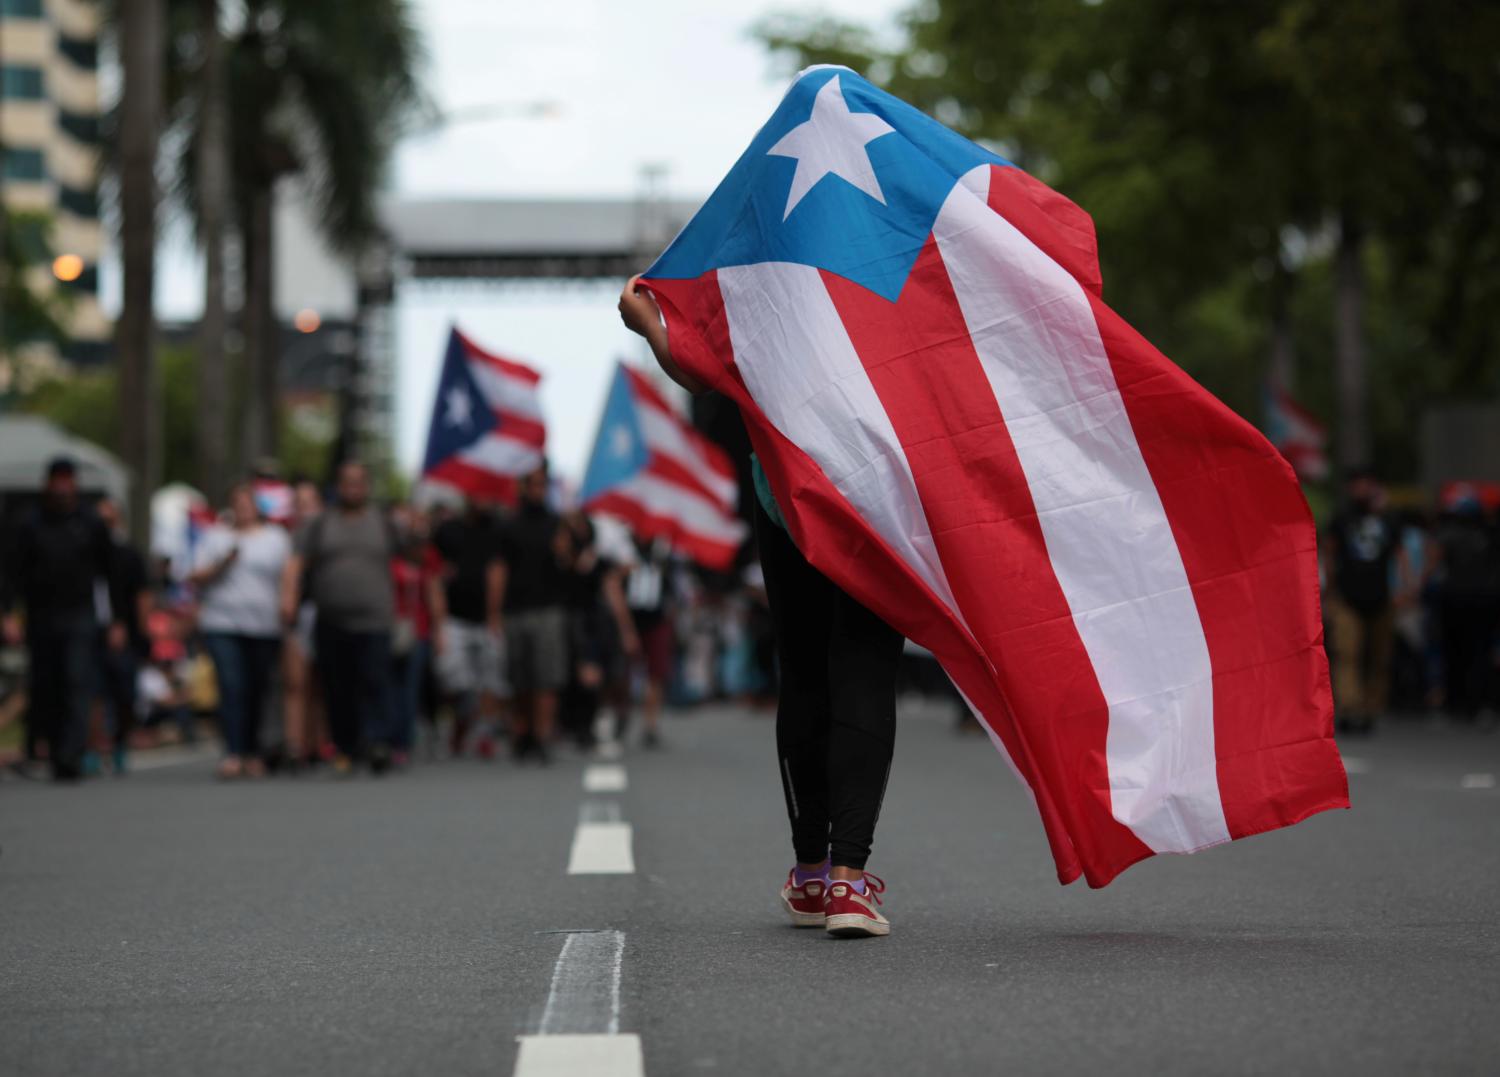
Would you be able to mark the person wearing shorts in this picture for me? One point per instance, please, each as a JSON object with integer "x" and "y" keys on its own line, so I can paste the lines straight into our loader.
{"x": 470, "y": 660}
{"x": 534, "y": 609}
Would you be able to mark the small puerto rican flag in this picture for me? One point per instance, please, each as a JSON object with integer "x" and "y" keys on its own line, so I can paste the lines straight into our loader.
{"x": 662, "y": 477}
{"x": 487, "y": 427}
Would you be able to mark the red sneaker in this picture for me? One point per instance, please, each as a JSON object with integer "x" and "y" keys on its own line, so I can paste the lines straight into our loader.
{"x": 804, "y": 904}
{"x": 852, "y": 915}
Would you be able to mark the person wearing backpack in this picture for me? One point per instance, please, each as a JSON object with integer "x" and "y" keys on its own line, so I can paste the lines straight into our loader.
{"x": 343, "y": 561}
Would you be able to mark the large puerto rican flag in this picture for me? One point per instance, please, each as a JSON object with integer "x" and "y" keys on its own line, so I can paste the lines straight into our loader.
{"x": 487, "y": 426}
{"x": 1117, "y": 571}
{"x": 661, "y": 476}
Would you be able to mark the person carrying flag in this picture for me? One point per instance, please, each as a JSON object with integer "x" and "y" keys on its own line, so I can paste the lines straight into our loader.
{"x": 836, "y": 710}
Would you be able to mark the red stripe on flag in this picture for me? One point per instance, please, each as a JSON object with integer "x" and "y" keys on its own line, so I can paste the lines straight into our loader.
{"x": 713, "y": 455}
{"x": 706, "y": 551}
{"x": 983, "y": 519}
{"x": 1249, "y": 546}
{"x": 670, "y": 470}
{"x": 522, "y": 428}
{"x": 510, "y": 367}
{"x": 837, "y": 541}
{"x": 475, "y": 482}
{"x": 1063, "y": 231}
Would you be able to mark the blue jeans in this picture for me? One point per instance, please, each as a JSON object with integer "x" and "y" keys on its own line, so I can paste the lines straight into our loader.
{"x": 356, "y": 671}
{"x": 409, "y": 671}
{"x": 243, "y": 666}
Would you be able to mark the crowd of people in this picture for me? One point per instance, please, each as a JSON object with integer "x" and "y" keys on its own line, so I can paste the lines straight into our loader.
{"x": 1412, "y": 607}
{"x": 338, "y": 634}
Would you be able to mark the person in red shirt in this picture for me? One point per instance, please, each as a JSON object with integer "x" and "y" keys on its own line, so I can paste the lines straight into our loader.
{"x": 417, "y": 576}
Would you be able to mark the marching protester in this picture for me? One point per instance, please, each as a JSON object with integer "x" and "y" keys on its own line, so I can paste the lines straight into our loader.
{"x": 124, "y": 642}
{"x": 416, "y": 575}
{"x": 57, "y": 566}
{"x": 648, "y": 593}
{"x": 469, "y": 665}
{"x": 301, "y": 690}
{"x": 1468, "y": 607}
{"x": 343, "y": 560}
{"x": 1365, "y": 551}
{"x": 533, "y": 606}
{"x": 836, "y": 714}
{"x": 238, "y": 571}
{"x": 601, "y": 633}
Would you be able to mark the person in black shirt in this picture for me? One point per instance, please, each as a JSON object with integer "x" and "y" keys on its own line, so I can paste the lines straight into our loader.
{"x": 58, "y": 554}
{"x": 533, "y": 604}
{"x": 124, "y": 641}
{"x": 600, "y": 632}
{"x": 1363, "y": 544}
{"x": 468, "y": 640}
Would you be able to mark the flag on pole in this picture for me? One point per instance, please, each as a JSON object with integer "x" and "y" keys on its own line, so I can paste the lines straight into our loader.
{"x": 487, "y": 426}
{"x": 661, "y": 476}
{"x": 1297, "y": 434}
{"x": 1118, "y": 572}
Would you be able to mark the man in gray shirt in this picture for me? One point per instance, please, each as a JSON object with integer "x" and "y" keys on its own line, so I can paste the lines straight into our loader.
{"x": 343, "y": 565}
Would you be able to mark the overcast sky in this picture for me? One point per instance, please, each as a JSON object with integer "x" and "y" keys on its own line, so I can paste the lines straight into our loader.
{"x": 671, "y": 83}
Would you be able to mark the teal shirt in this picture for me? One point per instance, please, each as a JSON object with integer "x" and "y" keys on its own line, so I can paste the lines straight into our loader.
{"x": 763, "y": 493}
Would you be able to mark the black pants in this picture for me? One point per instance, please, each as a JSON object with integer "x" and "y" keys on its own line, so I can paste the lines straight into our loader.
{"x": 836, "y": 710}
{"x": 117, "y": 676}
{"x": 356, "y": 672}
{"x": 62, "y": 680}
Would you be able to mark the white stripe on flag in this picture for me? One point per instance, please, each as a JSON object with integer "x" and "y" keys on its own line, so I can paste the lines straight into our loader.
{"x": 501, "y": 455}
{"x": 1107, "y": 533}
{"x": 689, "y": 508}
{"x": 800, "y": 366}
{"x": 516, "y": 396}
{"x": 664, "y": 434}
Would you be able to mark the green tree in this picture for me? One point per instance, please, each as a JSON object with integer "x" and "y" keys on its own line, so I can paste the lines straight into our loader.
{"x": 1251, "y": 169}
{"x": 312, "y": 90}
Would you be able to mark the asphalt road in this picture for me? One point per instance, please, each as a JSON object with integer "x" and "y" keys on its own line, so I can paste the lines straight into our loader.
{"x": 421, "y": 923}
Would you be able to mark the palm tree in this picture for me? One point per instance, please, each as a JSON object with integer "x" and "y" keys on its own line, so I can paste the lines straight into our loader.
{"x": 142, "y": 31}
{"x": 211, "y": 158}
{"x": 313, "y": 90}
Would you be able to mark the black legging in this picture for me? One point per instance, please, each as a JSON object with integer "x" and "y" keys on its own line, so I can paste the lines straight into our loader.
{"x": 836, "y": 715}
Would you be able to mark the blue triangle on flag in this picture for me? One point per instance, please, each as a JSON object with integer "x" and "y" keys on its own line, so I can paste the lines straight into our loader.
{"x": 620, "y": 448}
{"x": 460, "y": 413}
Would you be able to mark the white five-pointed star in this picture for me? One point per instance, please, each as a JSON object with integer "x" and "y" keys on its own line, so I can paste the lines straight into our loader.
{"x": 620, "y": 441}
{"x": 832, "y": 140}
{"x": 460, "y": 409}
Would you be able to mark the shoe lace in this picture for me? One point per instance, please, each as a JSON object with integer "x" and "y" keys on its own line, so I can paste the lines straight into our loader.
{"x": 874, "y": 887}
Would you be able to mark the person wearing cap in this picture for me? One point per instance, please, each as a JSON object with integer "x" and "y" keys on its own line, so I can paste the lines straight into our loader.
{"x": 58, "y": 568}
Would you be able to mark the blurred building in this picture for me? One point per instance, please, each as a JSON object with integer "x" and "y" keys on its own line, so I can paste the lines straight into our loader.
{"x": 49, "y": 142}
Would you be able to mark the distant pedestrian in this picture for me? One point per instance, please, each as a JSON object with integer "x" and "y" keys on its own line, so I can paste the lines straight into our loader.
{"x": 123, "y": 641}
{"x": 469, "y": 668}
{"x": 648, "y": 592}
{"x": 416, "y": 574}
{"x": 238, "y": 570}
{"x": 601, "y": 635}
{"x": 1468, "y": 607}
{"x": 58, "y": 567}
{"x": 1364, "y": 545}
{"x": 534, "y": 608}
{"x": 302, "y": 714}
{"x": 343, "y": 560}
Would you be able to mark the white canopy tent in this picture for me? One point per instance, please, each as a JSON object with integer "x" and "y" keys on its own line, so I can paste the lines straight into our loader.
{"x": 28, "y": 444}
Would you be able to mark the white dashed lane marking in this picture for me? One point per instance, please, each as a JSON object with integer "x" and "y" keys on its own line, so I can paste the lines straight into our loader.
{"x": 580, "y": 1026}
{"x": 604, "y": 778}
{"x": 1477, "y": 781}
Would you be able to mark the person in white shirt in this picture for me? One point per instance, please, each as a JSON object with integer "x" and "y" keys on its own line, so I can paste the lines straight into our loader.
{"x": 237, "y": 570}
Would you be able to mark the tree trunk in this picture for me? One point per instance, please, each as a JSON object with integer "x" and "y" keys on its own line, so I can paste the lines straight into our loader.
{"x": 141, "y": 34}
{"x": 1283, "y": 358}
{"x": 213, "y": 202}
{"x": 261, "y": 345}
{"x": 1349, "y": 347}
